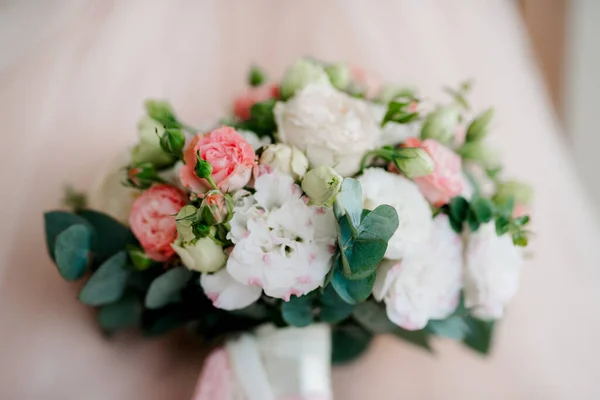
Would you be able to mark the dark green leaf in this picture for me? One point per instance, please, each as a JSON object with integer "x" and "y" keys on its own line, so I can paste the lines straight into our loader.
{"x": 256, "y": 76}
{"x": 166, "y": 287}
{"x": 72, "y": 251}
{"x": 459, "y": 207}
{"x": 372, "y": 316}
{"x": 399, "y": 112}
{"x": 478, "y": 128}
{"x": 483, "y": 209}
{"x": 520, "y": 239}
{"x": 456, "y": 225}
{"x": 506, "y": 207}
{"x": 352, "y": 291}
{"x": 472, "y": 220}
{"x": 479, "y": 336}
{"x": 333, "y": 308}
{"x": 379, "y": 225}
{"x": 298, "y": 311}
{"x": 57, "y": 221}
{"x": 111, "y": 235}
{"x": 453, "y": 327}
{"x": 350, "y": 198}
{"x": 363, "y": 258}
{"x": 108, "y": 282}
{"x": 348, "y": 343}
{"x": 125, "y": 313}
{"x": 419, "y": 338}
{"x": 502, "y": 225}
{"x": 262, "y": 120}
{"x": 521, "y": 221}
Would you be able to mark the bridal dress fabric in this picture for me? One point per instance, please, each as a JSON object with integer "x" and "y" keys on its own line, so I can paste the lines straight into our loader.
{"x": 73, "y": 75}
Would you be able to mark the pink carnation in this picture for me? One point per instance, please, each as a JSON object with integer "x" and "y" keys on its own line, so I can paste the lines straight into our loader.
{"x": 152, "y": 219}
{"x": 243, "y": 104}
{"x": 230, "y": 155}
{"x": 445, "y": 182}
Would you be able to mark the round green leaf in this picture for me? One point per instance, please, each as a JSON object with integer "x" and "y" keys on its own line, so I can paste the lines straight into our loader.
{"x": 483, "y": 209}
{"x": 125, "y": 313}
{"x": 298, "y": 311}
{"x": 166, "y": 288}
{"x": 379, "y": 225}
{"x": 111, "y": 235}
{"x": 363, "y": 258}
{"x": 108, "y": 282}
{"x": 57, "y": 221}
{"x": 459, "y": 208}
{"x": 348, "y": 343}
{"x": 453, "y": 327}
{"x": 352, "y": 291}
{"x": 479, "y": 336}
{"x": 372, "y": 316}
{"x": 72, "y": 251}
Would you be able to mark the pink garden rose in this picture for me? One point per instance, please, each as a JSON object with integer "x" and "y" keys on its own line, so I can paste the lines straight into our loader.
{"x": 446, "y": 181}
{"x": 152, "y": 220}
{"x": 230, "y": 155}
{"x": 243, "y": 104}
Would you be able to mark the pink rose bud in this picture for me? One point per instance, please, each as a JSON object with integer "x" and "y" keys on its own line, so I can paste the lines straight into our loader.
{"x": 445, "y": 182}
{"x": 214, "y": 207}
{"x": 152, "y": 220}
{"x": 231, "y": 156}
{"x": 243, "y": 104}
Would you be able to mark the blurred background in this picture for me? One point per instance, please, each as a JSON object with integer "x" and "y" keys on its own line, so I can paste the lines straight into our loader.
{"x": 564, "y": 35}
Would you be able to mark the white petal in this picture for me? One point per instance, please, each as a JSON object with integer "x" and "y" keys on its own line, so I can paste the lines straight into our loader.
{"x": 226, "y": 292}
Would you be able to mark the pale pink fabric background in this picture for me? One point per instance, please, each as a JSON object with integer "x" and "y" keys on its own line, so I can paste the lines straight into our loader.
{"x": 73, "y": 75}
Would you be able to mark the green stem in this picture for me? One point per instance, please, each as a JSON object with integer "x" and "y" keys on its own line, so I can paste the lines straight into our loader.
{"x": 212, "y": 183}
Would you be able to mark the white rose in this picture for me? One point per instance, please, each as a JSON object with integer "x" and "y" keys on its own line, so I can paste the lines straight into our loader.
{"x": 492, "y": 270}
{"x": 393, "y": 133}
{"x": 284, "y": 158}
{"x": 425, "y": 285}
{"x": 202, "y": 255}
{"x": 329, "y": 126}
{"x": 227, "y": 293}
{"x": 414, "y": 215}
{"x": 282, "y": 245}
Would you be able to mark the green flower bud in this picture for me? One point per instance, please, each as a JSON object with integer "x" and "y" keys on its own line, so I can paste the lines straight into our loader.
{"x": 203, "y": 168}
{"x": 440, "y": 125}
{"x": 413, "y": 162}
{"x": 301, "y": 74}
{"x": 322, "y": 184}
{"x": 162, "y": 112}
{"x": 521, "y": 192}
{"x": 142, "y": 175}
{"x": 478, "y": 129}
{"x": 184, "y": 220}
{"x": 149, "y": 148}
{"x": 173, "y": 141}
{"x": 201, "y": 229}
{"x": 139, "y": 259}
{"x": 339, "y": 75}
{"x": 479, "y": 153}
{"x": 256, "y": 76}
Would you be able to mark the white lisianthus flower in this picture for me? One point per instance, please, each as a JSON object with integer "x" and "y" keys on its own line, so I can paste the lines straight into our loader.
{"x": 253, "y": 139}
{"x": 393, "y": 133}
{"x": 425, "y": 285}
{"x": 330, "y": 127}
{"x": 414, "y": 215}
{"x": 287, "y": 159}
{"x": 492, "y": 270}
{"x": 282, "y": 245}
{"x": 202, "y": 255}
{"x": 227, "y": 293}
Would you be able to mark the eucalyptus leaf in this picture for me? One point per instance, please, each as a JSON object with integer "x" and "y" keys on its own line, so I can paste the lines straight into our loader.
{"x": 472, "y": 220}
{"x": 166, "y": 288}
{"x": 108, "y": 283}
{"x": 363, "y": 258}
{"x": 352, "y": 291}
{"x": 372, "y": 316}
{"x": 333, "y": 308}
{"x": 479, "y": 337}
{"x": 453, "y": 327}
{"x": 298, "y": 311}
{"x": 125, "y": 313}
{"x": 57, "y": 221}
{"x": 459, "y": 207}
{"x": 348, "y": 343}
{"x": 72, "y": 251}
{"x": 379, "y": 225}
{"x": 483, "y": 209}
{"x": 350, "y": 197}
{"x": 111, "y": 235}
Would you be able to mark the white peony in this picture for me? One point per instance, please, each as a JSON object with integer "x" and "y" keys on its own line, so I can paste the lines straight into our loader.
{"x": 331, "y": 127}
{"x": 492, "y": 269}
{"x": 393, "y": 133}
{"x": 282, "y": 245}
{"x": 414, "y": 215}
{"x": 425, "y": 285}
{"x": 227, "y": 293}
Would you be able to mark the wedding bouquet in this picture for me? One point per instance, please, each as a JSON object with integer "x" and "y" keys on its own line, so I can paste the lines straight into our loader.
{"x": 324, "y": 199}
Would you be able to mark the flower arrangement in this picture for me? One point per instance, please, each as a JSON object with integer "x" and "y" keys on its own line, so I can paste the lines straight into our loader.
{"x": 323, "y": 198}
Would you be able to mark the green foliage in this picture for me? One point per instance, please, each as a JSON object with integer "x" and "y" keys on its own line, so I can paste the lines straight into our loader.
{"x": 142, "y": 175}
{"x": 352, "y": 291}
{"x": 478, "y": 128}
{"x": 256, "y": 76}
{"x": 139, "y": 258}
{"x": 483, "y": 209}
{"x": 333, "y": 309}
{"x": 298, "y": 311}
{"x": 125, "y": 313}
{"x": 111, "y": 235}
{"x": 480, "y": 334}
{"x": 166, "y": 288}
{"x": 454, "y": 327}
{"x": 172, "y": 142}
{"x": 400, "y": 113}
{"x": 74, "y": 200}
{"x": 350, "y": 200}
{"x": 261, "y": 121}
{"x": 162, "y": 112}
{"x": 348, "y": 341}
{"x": 108, "y": 283}
{"x": 56, "y": 222}
{"x": 72, "y": 251}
